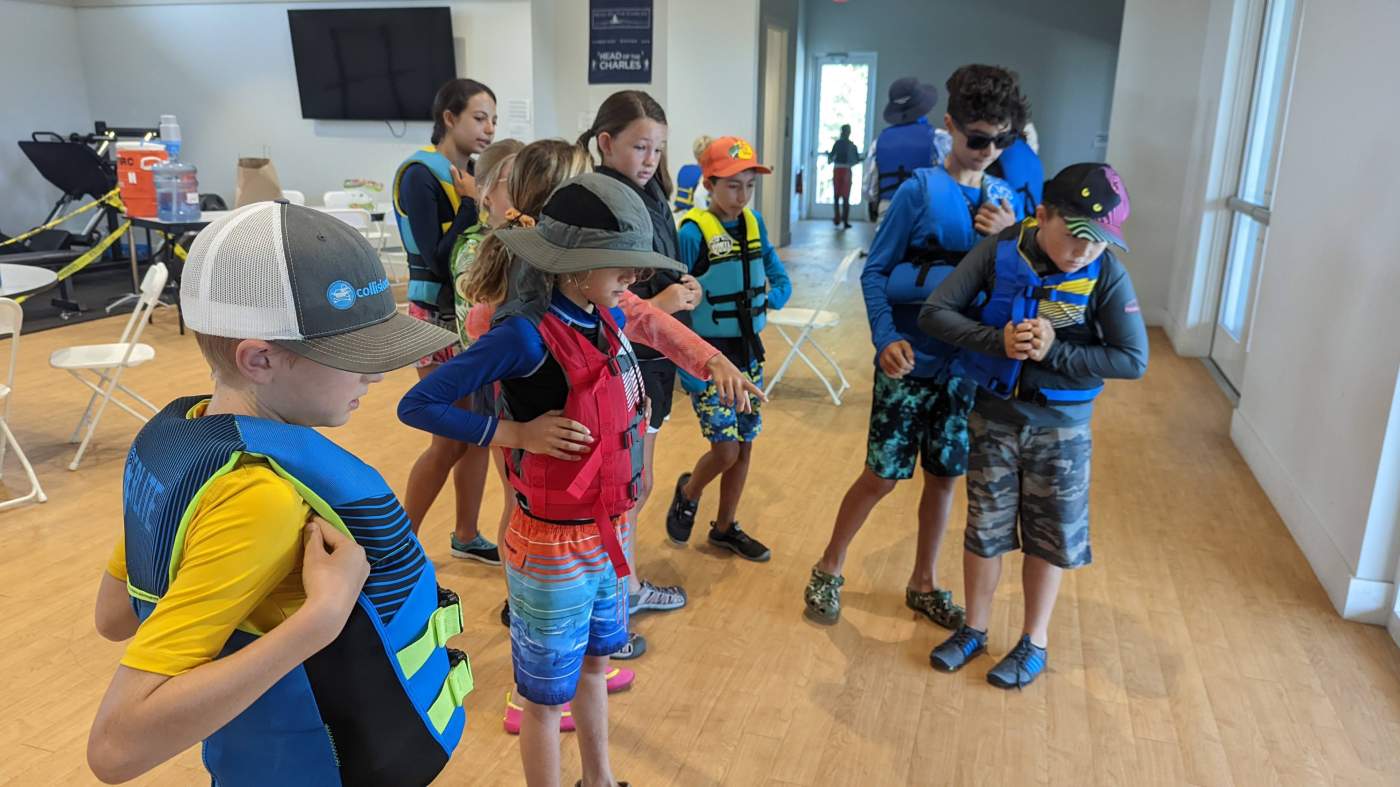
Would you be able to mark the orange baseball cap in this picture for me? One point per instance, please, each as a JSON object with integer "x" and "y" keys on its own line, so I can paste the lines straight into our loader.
{"x": 728, "y": 156}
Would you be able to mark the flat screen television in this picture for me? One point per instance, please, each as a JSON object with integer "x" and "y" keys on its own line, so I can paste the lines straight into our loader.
{"x": 373, "y": 63}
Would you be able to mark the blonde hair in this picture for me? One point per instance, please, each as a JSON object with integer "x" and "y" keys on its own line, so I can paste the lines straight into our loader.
{"x": 491, "y": 162}
{"x": 701, "y": 143}
{"x": 221, "y": 353}
{"x": 539, "y": 169}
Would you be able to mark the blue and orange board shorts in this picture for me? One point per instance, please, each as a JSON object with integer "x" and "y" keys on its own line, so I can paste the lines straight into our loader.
{"x": 566, "y": 601}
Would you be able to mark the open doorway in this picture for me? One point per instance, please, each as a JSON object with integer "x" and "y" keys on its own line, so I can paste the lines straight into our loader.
{"x": 844, "y": 89}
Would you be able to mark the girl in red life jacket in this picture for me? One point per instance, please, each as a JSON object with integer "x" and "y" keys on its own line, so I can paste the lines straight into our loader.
{"x": 537, "y": 171}
{"x": 574, "y": 413}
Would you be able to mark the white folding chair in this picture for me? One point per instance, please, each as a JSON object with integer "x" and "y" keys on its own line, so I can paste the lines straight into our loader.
{"x": 808, "y": 321}
{"x": 11, "y": 319}
{"x": 373, "y": 231}
{"x": 294, "y": 197}
{"x": 105, "y": 363}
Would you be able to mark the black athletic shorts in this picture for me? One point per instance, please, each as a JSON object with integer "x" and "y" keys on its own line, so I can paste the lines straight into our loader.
{"x": 659, "y": 376}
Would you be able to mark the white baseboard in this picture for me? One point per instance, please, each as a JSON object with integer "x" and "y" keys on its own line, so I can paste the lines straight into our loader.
{"x": 1155, "y": 317}
{"x": 1361, "y": 600}
{"x": 1394, "y": 627}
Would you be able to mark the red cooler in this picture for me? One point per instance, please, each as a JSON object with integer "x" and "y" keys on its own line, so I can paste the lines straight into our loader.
{"x": 134, "y": 177}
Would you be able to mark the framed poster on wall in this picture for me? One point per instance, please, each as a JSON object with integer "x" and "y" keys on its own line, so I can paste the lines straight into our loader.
{"x": 619, "y": 42}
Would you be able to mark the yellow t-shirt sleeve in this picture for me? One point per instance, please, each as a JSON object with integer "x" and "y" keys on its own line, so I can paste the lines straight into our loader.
{"x": 243, "y": 541}
{"x": 116, "y": 564}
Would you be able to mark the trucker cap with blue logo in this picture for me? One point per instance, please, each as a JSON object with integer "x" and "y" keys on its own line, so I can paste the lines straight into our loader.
{"x": 305, "y": 281}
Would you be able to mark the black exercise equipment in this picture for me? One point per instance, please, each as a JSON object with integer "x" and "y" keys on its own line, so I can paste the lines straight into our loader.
{"x": 81, "y": 166}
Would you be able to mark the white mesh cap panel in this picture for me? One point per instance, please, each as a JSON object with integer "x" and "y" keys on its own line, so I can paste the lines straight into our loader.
{"x": 235, "y": 280}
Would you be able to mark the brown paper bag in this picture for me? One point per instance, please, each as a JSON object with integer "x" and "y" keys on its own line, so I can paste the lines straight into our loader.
{"x": 257, "y": 182}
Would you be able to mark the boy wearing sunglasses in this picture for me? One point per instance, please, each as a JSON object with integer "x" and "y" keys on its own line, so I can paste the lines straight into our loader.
{"x": 920, "y": 404}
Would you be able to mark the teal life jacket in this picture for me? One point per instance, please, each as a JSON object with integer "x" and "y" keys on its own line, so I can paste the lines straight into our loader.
{"x": 1019, "y": 293}
{"x": 382, "y": 704}
{"x": 424, "y": 286}
{"x": 735, "y": 303}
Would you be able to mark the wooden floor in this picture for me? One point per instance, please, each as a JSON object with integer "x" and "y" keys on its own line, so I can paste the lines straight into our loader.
{"x": 1197, "y": 649}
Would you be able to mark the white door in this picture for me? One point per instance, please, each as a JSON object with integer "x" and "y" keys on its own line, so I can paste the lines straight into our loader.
{"x": 1250, "y": 207}
{"x": 845, "y": 91}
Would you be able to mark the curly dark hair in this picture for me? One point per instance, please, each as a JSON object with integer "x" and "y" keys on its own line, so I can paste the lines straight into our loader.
{"x": 990, "y": 94}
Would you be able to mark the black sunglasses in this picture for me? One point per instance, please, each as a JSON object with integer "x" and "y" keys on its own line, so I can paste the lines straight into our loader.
{"x": 978, "y": 141}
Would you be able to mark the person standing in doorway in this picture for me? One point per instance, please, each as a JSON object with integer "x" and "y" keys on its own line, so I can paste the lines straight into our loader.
{"x": 843, "y": 155}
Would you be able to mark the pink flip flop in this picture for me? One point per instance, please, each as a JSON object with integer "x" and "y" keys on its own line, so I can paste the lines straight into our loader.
{"x": 516, "y": 714}
{"x": 619, "y": 679}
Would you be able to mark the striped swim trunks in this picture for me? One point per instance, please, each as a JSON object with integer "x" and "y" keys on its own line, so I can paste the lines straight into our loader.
{"x": 566, "y": 601}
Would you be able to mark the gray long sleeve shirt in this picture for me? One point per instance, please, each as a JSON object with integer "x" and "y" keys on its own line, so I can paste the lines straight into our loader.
{"x": 1111, "y": 342}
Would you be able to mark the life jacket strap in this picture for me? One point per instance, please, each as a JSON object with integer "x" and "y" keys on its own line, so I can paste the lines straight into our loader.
{"x": 611, "y": 544}
{"x": 459, "y": 683}
{"x": 444, "y": 624}
{"x": 1059, "y": 396}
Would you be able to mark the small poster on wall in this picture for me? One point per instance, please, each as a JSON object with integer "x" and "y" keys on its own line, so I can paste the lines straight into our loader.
{"x": 619, "y": 42}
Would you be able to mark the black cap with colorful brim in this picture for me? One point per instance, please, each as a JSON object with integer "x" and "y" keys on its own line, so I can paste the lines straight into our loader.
{"x": 1093, "y": 201}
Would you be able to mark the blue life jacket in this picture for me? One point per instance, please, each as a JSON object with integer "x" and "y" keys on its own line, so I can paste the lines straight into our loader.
{"x": 423, "y": 285}
{"x": 736, "y": 287}
{"x": 1020, "y": 167}
{"x": 1019, "y": 293}
{"x": 943, "y": 235}
{"x": 899, "y": 150}
{"x": 382, "y": 704}
{"x": 687, "y": 181}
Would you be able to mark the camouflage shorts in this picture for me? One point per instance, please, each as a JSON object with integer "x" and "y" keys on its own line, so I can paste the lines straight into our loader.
{"x": 721, "y": 423}
{"x": 913, "y": 417}
{"x": 1035, "y": 474}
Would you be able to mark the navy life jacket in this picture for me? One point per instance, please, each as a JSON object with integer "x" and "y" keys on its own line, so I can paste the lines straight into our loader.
{"x": 1019, "y": 294}
{"x": 899, "y": 150}
{"x": 382, "y": 704}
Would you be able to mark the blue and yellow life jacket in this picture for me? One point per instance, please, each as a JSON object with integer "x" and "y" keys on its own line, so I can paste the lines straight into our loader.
{"x": 424, "y": 286}
{"x": 382, "y": 704}
{"x": 736, "y": 289}
{"x": 687, "y": 183}
{"x": 899, "y": 151}
{"x": 1019, "y": 293}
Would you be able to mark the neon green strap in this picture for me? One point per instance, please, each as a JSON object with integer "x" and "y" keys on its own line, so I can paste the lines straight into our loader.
{"x": 458, "y": 685}
{"x": 444, "y": 624}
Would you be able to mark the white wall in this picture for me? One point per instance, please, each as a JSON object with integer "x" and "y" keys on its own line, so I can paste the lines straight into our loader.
{"x": 1317, "y": 420}
{"x": 1064, "y": 53}
{"x": 226, "y": 71}
{"x": 1158, "y": 114}
{"x": 705, "y": 88}
{"x": 41, "y": 89}
{"x": 712, "y": 89}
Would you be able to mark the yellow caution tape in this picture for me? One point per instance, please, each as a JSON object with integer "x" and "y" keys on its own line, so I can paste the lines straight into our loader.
{"x": 110, "y": 198}
{"x": 88, "y": 256}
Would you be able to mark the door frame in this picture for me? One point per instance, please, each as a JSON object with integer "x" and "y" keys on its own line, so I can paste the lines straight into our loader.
{"x": 810, "y": 208}
{"x": 775, "y": 109}
{"x": 1247, "y": 83}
